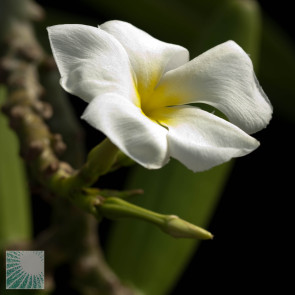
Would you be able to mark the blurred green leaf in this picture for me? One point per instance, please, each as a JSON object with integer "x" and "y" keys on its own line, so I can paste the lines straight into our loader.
{"x": 205, "y": 11}
{"x": 277, "y": 68}
{"x": 15, "y": 217}
{"x": 136, "y": 249}
{"x": 239, "y": 21}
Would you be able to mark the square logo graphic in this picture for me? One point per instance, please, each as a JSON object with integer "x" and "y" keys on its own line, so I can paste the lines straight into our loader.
{"x": 24, "y": 269}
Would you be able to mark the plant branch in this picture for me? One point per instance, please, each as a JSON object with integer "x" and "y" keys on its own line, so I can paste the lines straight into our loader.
{"x": 27, "y": 113}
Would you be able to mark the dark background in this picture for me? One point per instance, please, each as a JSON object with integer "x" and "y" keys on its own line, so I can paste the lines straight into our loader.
{"x": 252, "y": 224}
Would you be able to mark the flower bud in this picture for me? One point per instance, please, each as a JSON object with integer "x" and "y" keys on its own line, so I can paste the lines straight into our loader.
{"x": 179, "y": 228}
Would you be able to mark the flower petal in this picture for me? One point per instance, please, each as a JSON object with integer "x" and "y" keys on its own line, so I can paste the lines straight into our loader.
{"x": 224, "y": 78}
{"x": 127, "y": 127}
{"x": 201, "y": 140}
{"x": 150, "y": 58}
{"x": 91, "y": 62}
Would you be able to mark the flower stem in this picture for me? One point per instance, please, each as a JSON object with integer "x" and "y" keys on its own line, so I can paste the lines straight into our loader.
{"x": 99, "y": 161}
{"x": 115, "y": 208}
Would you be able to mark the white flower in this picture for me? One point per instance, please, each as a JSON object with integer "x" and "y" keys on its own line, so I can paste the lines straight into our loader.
{"x": 138, "y": 89}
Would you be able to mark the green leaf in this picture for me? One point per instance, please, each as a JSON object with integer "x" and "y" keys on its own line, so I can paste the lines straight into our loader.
{"x": 239, "y": 21}
{"x": 15, "y": 213}
{"x": 136, "y": 249}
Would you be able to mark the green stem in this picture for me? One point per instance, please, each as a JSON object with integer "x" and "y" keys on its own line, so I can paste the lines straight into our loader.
{"x": 99, "y": 161}
{"x": 121, "y": 161}
{"x": 115, "y": 208}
